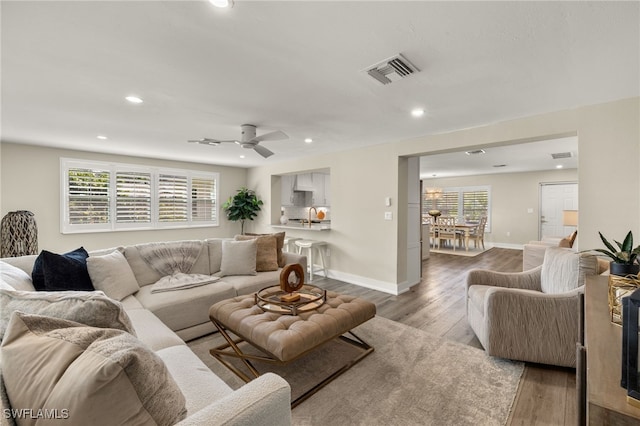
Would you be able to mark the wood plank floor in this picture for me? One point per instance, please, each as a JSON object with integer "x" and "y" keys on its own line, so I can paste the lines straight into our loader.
{"x": 546, "y": 395}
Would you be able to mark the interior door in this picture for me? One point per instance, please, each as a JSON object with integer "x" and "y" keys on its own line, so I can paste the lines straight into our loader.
{"x": 554, "y": 198}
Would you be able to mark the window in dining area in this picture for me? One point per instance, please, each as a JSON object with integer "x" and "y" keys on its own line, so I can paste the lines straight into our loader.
{"x": 468, "y": 203}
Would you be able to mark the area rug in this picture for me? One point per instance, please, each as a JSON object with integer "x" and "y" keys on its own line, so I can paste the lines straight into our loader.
{"x": 472, "y": 252}
{"x": 412, "y": 377}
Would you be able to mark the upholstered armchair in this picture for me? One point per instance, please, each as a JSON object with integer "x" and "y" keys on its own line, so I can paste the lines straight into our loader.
{"x": 531, "y": 315}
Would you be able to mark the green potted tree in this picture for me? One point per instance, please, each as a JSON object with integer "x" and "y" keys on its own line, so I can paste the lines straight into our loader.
{"x": 624, "y": 258}
{"x": 245, "y": 205}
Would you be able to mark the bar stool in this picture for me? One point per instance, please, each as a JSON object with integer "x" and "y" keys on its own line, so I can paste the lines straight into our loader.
{"x": 289, "y": 246}
{"x": 312, "y": 245}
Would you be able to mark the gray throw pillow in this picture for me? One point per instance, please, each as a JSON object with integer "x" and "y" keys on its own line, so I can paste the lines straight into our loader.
{"x": 88, "y": 308}
{"x": 238, "y": 258}
{"x": 95, "y": 376}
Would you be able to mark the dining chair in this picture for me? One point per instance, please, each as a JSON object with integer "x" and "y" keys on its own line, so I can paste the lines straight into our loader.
{"x": 477, "y": 235}
{"x": 446, "y": 230}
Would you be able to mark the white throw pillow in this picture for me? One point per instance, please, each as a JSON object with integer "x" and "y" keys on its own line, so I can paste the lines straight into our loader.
{"x": 238, "y": 258}
{"x": 16, "y": 277}
{"x": 112, "y": 274}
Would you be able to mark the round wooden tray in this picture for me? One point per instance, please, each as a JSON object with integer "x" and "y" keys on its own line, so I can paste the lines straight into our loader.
{"x": 311, "y": 298}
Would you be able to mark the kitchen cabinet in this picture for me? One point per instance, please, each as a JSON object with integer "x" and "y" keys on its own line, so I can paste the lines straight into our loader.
{"x": 286, "y": 192}
{"x": 304, "y": 182}
{"x": 321, "y": 182}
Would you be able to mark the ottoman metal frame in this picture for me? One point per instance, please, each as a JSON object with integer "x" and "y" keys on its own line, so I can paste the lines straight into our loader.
{"x": 231, "y": 349}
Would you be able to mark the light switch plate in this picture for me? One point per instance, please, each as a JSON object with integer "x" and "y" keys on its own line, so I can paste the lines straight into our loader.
{"x": 388, "y": 216}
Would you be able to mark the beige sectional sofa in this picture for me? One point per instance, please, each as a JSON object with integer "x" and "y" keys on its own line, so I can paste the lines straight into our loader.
{"x": 164, "y": 320}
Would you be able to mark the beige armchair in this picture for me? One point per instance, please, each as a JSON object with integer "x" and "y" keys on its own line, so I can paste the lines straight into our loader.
{"x": 531, "y": 315}
{"x": 533, "y": 251}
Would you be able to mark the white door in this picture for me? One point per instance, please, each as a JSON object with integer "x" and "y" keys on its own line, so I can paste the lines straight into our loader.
{"x": 554, "y": 198}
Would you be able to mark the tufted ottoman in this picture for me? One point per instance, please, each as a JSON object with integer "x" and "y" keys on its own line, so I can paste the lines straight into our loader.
{"x": 285, "y": 338}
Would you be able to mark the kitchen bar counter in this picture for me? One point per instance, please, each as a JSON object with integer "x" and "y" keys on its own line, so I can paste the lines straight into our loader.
{"x": 305, "y": 227}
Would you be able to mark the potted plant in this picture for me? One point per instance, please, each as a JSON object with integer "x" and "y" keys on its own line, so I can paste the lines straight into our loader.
{"x": 624, "y": 257}
{"x": 245, "y": 205}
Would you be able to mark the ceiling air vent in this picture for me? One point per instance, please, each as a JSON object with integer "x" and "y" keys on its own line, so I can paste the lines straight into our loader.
{"x": 391, "y": 69}
{"x": 560, "y": 155}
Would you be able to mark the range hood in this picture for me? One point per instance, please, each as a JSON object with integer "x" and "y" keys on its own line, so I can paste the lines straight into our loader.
{"x": 302, "y": 198}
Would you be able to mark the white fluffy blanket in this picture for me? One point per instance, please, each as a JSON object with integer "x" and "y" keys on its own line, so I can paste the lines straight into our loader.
{"x": 180, "y": 281}
{"x": 169, "y": 258}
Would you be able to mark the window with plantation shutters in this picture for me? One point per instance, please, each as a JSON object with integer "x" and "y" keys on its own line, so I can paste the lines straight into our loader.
{"x": 99, "y": 196}
{"x": 203, "y": 199}
{"x": 133, "y": 197}
{"x": 87, "y": 196}
{"x": 468, "y": 204}
{"x": 172, "y": 198}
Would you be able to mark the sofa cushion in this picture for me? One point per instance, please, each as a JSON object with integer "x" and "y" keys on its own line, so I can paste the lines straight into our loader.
{"x": 151, "y": 331}
{"x": 246, "y": 284}
{"x": 184, "y": 308}
{"x": 266, "y": 251}
{"x": 89, "y": 308}
{"x": 15, "y": 277}
{"x": 100, "y": 376}
{"x": 564, "y": 269}
{"x": 199, "y": 384}
{"x": 68, "y": 271}
{"x": 215, "y": 254}
{"x": 238, "y": 258}
{"x": 112, "y": 274}
{"x": 280, "y": 249}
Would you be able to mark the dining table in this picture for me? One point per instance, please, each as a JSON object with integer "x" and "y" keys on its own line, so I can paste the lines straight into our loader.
{"x": 466, "y": 229}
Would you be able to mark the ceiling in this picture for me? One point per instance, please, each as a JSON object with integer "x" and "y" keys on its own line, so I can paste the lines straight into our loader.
{"x": 298, "y": 66}
{"x": 512, "y": 158}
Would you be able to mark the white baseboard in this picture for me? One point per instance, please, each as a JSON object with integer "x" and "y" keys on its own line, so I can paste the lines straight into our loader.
{"x": 383, "y": 286}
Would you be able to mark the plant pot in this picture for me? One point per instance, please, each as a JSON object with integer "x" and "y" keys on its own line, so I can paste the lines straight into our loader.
{"x": 623, "y": 269}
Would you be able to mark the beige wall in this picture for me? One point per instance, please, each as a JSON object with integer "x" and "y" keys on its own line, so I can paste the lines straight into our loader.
{"x": 364, "y": 247}
{"x": 512, "y": 194}
{"x": 31, "y": 181}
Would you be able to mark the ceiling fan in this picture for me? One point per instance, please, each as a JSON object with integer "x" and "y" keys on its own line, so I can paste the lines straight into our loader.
{"x": 249, "y": 140}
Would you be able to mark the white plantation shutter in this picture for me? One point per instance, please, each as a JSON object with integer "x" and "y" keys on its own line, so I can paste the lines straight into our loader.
{"x": 448, "y": 204}
{"x": 133, "y": 197}
{"x": 203, "y": 199}
{"x": 476, "y": 204}
{"x": 87, "y": 196}
{"x": 172, "y": 198}
{"x": 465, "y": 203}
{"x": 101, "y": 197}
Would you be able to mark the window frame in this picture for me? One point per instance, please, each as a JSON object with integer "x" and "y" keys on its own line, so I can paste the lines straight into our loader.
{"x": 460, "y": 190}
{"x": 66, "y": 227}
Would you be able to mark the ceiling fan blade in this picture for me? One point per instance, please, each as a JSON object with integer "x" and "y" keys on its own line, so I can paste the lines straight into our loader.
{"x": 273, "y": 136}
{"x": 205, "y": 141}
{"x": 263, "y": 151}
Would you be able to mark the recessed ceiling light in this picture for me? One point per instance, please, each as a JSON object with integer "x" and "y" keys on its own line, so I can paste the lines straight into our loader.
{"x": 242, "y": 156}
{"x": 476, "y": 152}
{"x": 417, "y": 112}
{"x": 102, "y": 137}
{"x": 308, "y": 140}
{"x": 559, "y": 166}
{"x": 134, "y": 99}
{"x": 222, "y": 3}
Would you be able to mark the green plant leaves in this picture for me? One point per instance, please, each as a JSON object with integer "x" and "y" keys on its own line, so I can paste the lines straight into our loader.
{"x": 245, "y": 205}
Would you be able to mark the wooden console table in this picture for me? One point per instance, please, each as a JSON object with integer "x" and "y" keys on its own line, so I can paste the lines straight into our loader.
{"x": 606, "y": 399}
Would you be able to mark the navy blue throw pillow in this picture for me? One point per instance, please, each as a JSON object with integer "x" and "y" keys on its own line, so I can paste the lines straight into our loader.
{"x": 59, "y": 272}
